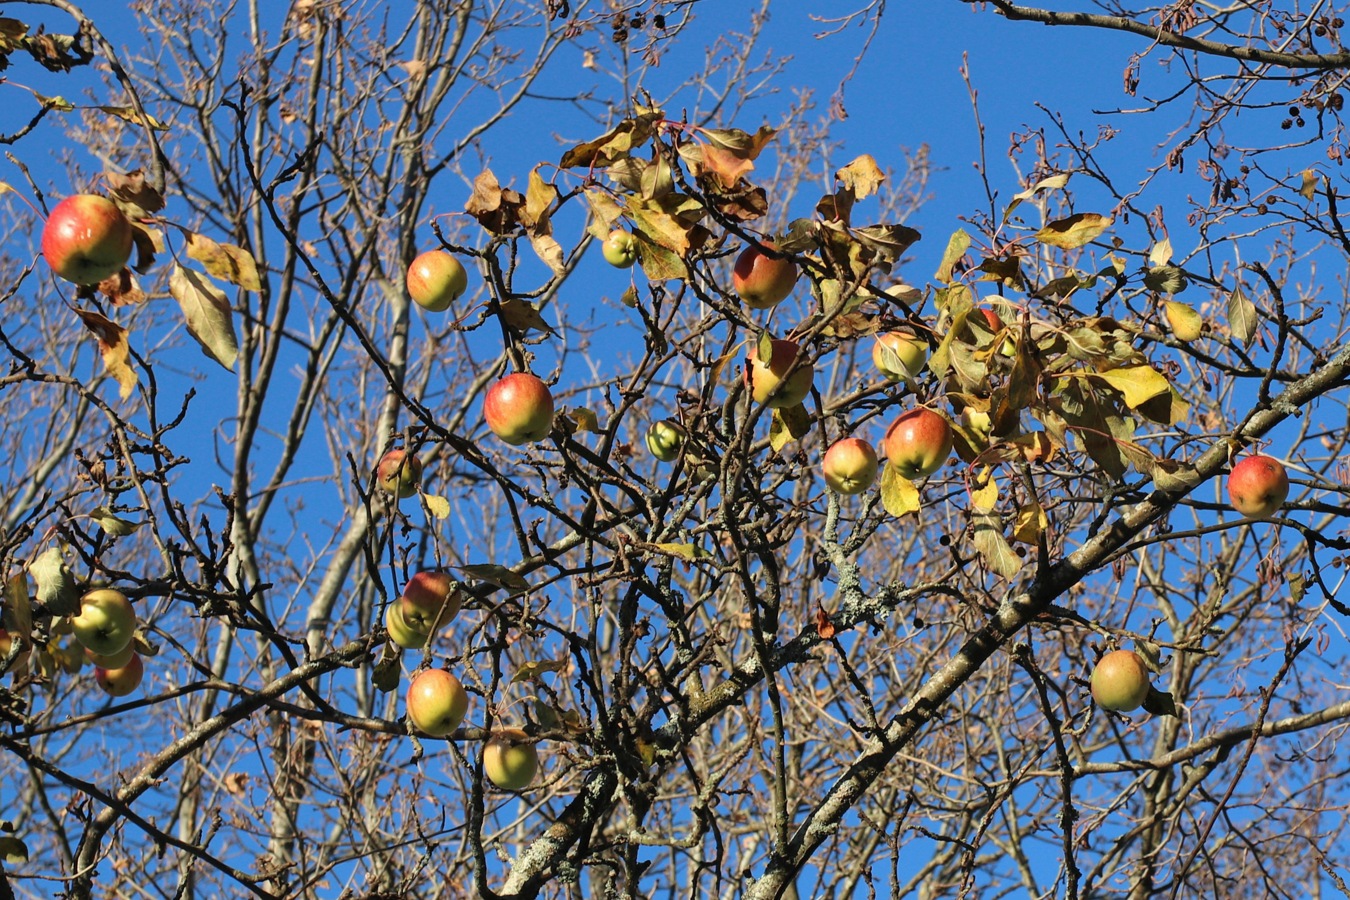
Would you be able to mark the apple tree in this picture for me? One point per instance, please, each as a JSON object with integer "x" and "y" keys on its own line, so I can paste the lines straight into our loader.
{"x": 392, "y": 512}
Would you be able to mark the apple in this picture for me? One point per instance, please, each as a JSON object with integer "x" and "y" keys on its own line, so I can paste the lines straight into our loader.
{"x": 1007, "y": 348}
{"x": 435, "y": 280}
{"x": 113, "y": 660}
{"x": 106, "y": 622}
{"x": 400, "y": 632}
{"x": 120, "y": 682}
{"x": 899, "y": 355}
{"x": 430, "y": 600}
{"x": 86, "y": 239}
{"x": 1258, "y": 486}
{"x": 1120, "y": 681}
{"x": 665, "y": 439}
{"x": 510, "y": 760}
{"x": 399, "y": 473}
{"x": 761, "y": 281}
{"x": 850, "y": 466}
{"x": 764, "y": 380}
{"x": 436, "y": 702}
{"x": 620, "y": 249}
{"x": 519, "y": 409}
{"x": 918, "y": 442}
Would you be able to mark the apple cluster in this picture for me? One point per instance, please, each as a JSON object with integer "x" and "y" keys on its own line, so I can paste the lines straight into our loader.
{"x": 105, "y": 627}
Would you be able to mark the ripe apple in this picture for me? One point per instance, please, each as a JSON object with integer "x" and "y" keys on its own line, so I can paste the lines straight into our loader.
{"x": 918, "y": 442}
{"x": 436, "y": 702}
{"x": 120, "y": 682}
{"x": 763, "y": 380}
{"x": 1120, "y": 681}
{"x": 399, "y": 473}
{"x": 1258, "y": 486}
{"x": 510, "y": 760}
{"x": 850, "y": 466}
{"x": 430, "y": 600}
{"x": 620, "y": 249}
{"x": 106, "y": 622}
{"x": 113, "y": 660}
{"x": 761, "y": 281}
{"x": 435, "y": 280}
{"x": 519, "y": 409}
{"x": 899, "y": 355}
{"x": 86, "y": 239}
{"x": 400, "y": 632}
{"x": 665, "y": 439}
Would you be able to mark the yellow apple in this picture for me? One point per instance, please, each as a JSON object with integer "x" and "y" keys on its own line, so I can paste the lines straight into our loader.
{"x": 510, "y": 759}
{"x": 436, "y": 702}
{"x": 106, "y": 622}
{"x": 1120, "y": 681}
{"x": 850, "y": 466}
{"x": 764, "y": 379}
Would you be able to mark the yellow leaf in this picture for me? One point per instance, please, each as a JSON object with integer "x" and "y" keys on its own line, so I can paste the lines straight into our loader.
{"x": 1075, "y": 231}
{"x": 686, "y": 552}
{"x": 207, "y": 312}
{"x": 862, "y": 176}
{"x": 534, "y": 668}
{"x": 987, "y": 535}
{"x": 227, "y": 261}
{"x": 984, "y": 490}
{"x": 436, "y": 505}
{"x": 112, "y": 346}
{"x": 788, "y": 425}
{"x": 1185, "y": 322}
{"x": 898, "y": 494}
{"x": 1139, "y": 384}
{"x": 1030, "y": 524}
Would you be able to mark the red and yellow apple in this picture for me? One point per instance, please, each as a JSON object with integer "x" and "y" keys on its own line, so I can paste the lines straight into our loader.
{"x": 620, "y": 249}
{"x": 760, "y": 280}
{"x": 764, "y": 379}
{"x": 435, "y": 280}
{"x": 1258, "y": 486}
{"x": 106, "y": 622}
{"x": 86, "y": 239}
{"x": 399, "y": 473}
{"x": 436, "y": 702}
{"x": 121, "y": 682}
{"x": 430, "y": 600}
{"x": 519, "y": 409}
{"x": 918, "y": 442}
{"x": 850, "y": 466}
{"x": 113, "y": 660}
{"x": 1120, "y": 681}
{"x": 899, "y": 355}
{"x": 510, "y": 759}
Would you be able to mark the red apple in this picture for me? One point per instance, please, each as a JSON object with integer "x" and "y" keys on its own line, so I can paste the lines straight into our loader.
{"x": 106, "y": 622}
{"x": 510, "y": 760}
{"x": 86, "y": 239}
{"x": 120, "y": 682}
{"x": 435, "y": 280}
{"x": 620, "y": 249}
{"x": 850, "y": 466}
{"x": 430, "y": 600}
{"x": 762, "y": 281}
{"x": 899, "y": 355}
{"x": 113, "y": 660}
{"x": 1258, "y": 486}
{"x": 764, "y": 380}
{"x": 519, "y": 409}
{"x": 436, "y": 702}
{"x": 1120, "y": 681}
{"x": 918, "y": 442}
{"x": 399, "y": 473}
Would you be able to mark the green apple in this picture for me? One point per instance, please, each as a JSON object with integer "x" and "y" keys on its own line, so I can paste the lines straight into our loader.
{"x": 665, "y": 439}
{"x": 400, "y": 632}
{"x": 918, "y": 442}
{"x": 763, "y": 379}
{"x": 106, "y": 622}
{"x": 519, "y": 409}
{"x": 436, "y": 702}
{"x": 399, "y": 473}
{"x": 850, "y": 466}
{"x": 1120, "y": 681}
{"x": 430, "y": 600}
{"x": 121, "y": 682}
{"x": 510, "y": 759}
{"x": 760, "y": 280}
{"x": 620, "y": 249}
{"x": 86, "y": 239}
{"x": 435, "y": 280}
{"x": 1258, "y": 486}
{"x": 899, "y": 355}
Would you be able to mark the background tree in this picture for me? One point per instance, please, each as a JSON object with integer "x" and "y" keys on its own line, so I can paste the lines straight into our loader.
{"x": 737, "y": 680}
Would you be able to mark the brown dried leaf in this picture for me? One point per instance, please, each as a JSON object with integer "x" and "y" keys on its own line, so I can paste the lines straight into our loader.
{"x": 112, "y": 346}
{"x": 824, "y": 627}
{"x": 862, "y": 176}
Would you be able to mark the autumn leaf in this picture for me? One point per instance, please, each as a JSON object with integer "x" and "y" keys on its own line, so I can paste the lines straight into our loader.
{"x": 899, "y": 496}
{"x": 226, "y": 261}
{"x": 1241, "y": 316}
{"x": 987, "y": 535}
{"x": 788, "y": 425}
{"x": 207, "y": 312}
{"x": 112, "y": 346}
{"x": 686, "y": 552}
{"x": 1053, "y": 182}
{"x": 957, "y": 245}
{"x": 499, "y": 575}
{"x": 1139, "y": 384}
{"x": 438, "y": 506}
{"x": 824, "y": 627}
{"x": 862, "y": 176}
{"x": 1075, "y": 231}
